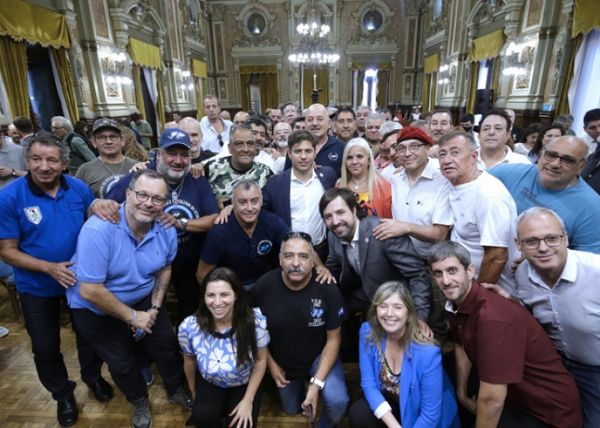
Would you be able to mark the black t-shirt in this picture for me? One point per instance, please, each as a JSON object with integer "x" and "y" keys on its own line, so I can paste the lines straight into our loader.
{"x": 297, "y": 320}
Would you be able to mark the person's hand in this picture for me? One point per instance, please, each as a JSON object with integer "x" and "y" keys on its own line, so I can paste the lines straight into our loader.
{"x": 389, "y": 228}
{"x": 278, "y": 375}
{"x": 497, "y": 289}
{"x": 324, "y": 276}
{"x": 223, "y": 216}
{"x": 197, "y": 170}
{"x": 167, "y": 220}
{"x": 468, "y": 403}
{"x": 312, "y": 398}
{"x": 106, "y": 209}
{"x": 61, "y": 273}
{"x": 144, "y": 321}
{"x": 138, "y": 167}
{"x": 425, "y": 330}
{"x": 242, "y": 414}
{"x": 153, "y": 313}
{"x": 5, "y": 171}
{"x": 516, "y": 262}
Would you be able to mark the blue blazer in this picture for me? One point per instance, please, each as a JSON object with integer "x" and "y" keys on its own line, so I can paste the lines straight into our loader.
{"x": 426, "y": 395}
{"x": 276, "y": 193}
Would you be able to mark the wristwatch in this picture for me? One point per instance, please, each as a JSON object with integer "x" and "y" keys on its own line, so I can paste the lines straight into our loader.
{"x": 318, "y": 383}
{"x": 14, "y": 172}
{"x": 184, "y": 223}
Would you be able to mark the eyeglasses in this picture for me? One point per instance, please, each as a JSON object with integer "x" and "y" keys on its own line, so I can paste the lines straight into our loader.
{"x": 220, "y": 139}
{"x": 534, "y": 243}
{"x": 297, "y": 235}
{"x": 565, "y": 160}
{"x": 413, "y": 148}
{"x": 143, "y": 197}
{"x": 104, "y": 138}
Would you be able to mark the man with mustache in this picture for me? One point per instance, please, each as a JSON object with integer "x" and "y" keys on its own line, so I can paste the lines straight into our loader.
{"x": 304, "y": 325}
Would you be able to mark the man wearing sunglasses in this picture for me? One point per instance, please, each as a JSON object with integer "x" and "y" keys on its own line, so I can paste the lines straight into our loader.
{"x": 554, "y": 182}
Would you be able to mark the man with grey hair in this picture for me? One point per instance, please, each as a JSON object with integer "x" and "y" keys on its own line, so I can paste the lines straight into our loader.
{"x": 289, "y": 112}
{"x": 483, "y": 211}
{"x": 192, "y": 127}
{"x": 362, "y": 113}
{"x": 372, "y": 125}
{"x": 440, "y": 123}
{"x": 80, "y": 153}
{"x": 383, "y": 158}
{"x": 557, "y": 285}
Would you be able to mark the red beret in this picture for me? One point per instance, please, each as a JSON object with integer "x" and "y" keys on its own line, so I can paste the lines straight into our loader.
{"x": 414, "y": 133}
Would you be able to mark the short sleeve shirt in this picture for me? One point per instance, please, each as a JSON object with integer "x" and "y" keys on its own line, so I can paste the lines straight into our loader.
{"x": 101, "y": 177}
{"x": 222, "y": 176}
{"x": 298, "y": 320}
{"x": 11, "y": 156}
{"x": 216, "y": 355}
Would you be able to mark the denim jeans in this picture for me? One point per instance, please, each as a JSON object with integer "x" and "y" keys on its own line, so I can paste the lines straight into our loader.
{"x": 587, "y": 379}
{"x": 334, "y": 395}
{"x": 6, "y": 272}
{"x": 42, "y": 320}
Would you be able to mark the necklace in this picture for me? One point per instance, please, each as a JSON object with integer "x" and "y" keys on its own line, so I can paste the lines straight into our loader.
{"x": 176, "y": 190}
{"x": 356, "y": 186}
{"x": 110, "y": 170}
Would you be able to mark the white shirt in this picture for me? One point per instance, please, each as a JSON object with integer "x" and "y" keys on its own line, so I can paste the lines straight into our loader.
{"x": 210, "y": 140}
{"x": 352, "y": 249}
{"x": 510, "y": 157}
{"x": 388, "y": 172}
{"x": 304, "y": 207}
{"x": 425, "y": 203}
{"x": 591, "y": 143}
{"x": 569, "y": 311}
{"x": 484, "y": 215}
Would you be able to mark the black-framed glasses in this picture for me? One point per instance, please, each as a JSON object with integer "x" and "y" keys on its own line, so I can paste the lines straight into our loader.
{"x": 565, "y": 160}
{"x": 143, "y": 197}
{"x": 413, "y": 148}
{"x": 297, "y": 235}
{"x": 534, "y": 243}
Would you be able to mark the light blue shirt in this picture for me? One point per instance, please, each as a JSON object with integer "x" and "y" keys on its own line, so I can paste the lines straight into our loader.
{"x": 109, "y": 254}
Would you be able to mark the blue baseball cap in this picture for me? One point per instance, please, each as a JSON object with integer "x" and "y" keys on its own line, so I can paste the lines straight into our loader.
{"x": 173, "y": 137}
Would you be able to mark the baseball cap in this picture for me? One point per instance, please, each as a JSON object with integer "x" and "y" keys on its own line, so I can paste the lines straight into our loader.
{"x": 173, "y": 137}
{"x": 105, "y": 123}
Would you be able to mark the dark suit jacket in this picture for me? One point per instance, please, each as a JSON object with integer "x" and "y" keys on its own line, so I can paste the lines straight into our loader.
{"x": 591, "y": 172}
{"x": 276, "y": 193}
{"x": 381, "y": 261}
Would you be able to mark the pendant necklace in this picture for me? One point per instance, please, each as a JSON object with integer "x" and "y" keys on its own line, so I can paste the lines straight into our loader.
{"x": 176, "y": 190}
{"x": 110, "y": 170}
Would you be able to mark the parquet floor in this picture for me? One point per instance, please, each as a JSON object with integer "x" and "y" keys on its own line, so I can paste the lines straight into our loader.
{"x": 24, "y": 403}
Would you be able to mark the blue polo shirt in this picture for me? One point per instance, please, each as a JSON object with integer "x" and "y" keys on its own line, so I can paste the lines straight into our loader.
{"x": 330, "y": 155}
{"x": 578, "y": 206}
{"x": 45, "y": 226}
{"x": 250, "y": 257}
{"x": 109, "y": 254}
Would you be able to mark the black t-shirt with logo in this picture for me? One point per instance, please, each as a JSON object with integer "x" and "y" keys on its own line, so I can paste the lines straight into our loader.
{"x": 297, "y": 320}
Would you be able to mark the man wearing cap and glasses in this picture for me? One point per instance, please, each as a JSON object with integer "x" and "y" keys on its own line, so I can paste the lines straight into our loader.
{"x": 554, "y": 182}
{"x": 191, "y": 208}
{"x": 123, "y": 272}
{"x": 110, "y": 166}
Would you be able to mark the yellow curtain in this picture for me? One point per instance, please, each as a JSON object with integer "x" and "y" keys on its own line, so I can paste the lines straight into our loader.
{"x": 426, "y": 89}
{"x": 144, "y": 54}
{"x": 24, "y": 21}
{"x": 137, "y": 87}
{"x": 65, "y": 75}
{"x": 431, "y": 64}
{"x": 245, "y": 86}
{"x": 433, "y": 90}
{"x": 585, "y": 17}
{"x": 383, "y": 78}
{"x": 199, "y": 68}
{"x": 487, "y": 46}
{"x": 322, "y": 83}
{"x": 13, "y": 68}
{"x": 160, "y": 100}
{"x": 199, "y": 97}
{"x": 495, "y": 79}
{"x": 258, "y": 69}
{"x": 473, "y": 87}
{"x": 269, "y": 96}
{"x": 563, "y": 101}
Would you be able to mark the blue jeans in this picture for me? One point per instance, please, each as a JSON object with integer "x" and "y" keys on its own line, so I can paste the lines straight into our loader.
{"x": 334, "y": 395}
{"x": 6, "y": 272}
{"x": 587, "y": 379}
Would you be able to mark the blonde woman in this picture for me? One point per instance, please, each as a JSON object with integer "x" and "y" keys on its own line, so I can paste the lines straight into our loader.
{"x": 359, "y": 174}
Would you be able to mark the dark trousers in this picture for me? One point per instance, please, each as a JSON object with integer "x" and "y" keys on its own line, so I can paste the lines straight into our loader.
{"x": 357, "y": 305}
{"x": 360, "y": 415}
{"x": 214, "y": 403}
{"x": 42, "y": 320}
{"x": 113, "y": 341}
{"x": 187, "y": 288}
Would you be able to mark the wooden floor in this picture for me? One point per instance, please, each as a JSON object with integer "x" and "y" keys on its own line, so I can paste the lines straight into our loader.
{"x": 25, "y": 403}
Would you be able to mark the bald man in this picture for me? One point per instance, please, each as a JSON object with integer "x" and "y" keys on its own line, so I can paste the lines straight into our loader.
{"x": 192, "y": 127}
{"x": 329, "y": 149}
{"x": 555, "y": 182}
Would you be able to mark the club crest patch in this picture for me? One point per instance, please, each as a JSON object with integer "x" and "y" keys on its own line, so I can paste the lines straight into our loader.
{"x": 264, "y": 247}
{"x": 333, "y": 156}
{"x": 33, "y": 214}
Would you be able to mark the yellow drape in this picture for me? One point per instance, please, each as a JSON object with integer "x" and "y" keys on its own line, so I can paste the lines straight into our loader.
{"x": 585, "y": 17}
{"x": 13, "y": 68}
{"x": 258, "y": 69}
{"x": 245, "y": 86}
{"x": 431, "y": 64}
{"x": 426, "y": 89}
{"x": 160, "y": 100}
{"x": 137, "y": 87}
{"x": 473, "y": 87}
{"x": 198, "y": 86}
{"x": 487, "y": 46}
{"x": 269, "y": 95}
{"x": 144, "y": 54}
{"x": 383, "y": 77}
{"x": 65, "y": 76}
{"x": 199, "y": 68}
{"x": 563, "y": 101}
{"x": 322, "y": 84}
{"x": 433, "y": 90}
{"x": 23, "y": 21}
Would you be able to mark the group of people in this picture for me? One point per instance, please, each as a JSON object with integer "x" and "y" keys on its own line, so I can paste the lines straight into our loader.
{"x": 300, "y": 240}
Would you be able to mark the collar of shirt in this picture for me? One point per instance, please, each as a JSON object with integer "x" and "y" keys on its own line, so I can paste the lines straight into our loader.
{"x": 568, "y": 274}
{"x": 468, "y": 305}
{"x": 36, "y": 190}
{"x": 125, "y": 226}
{"x": 355, "y": 237}
{"x": 297, "y": 180}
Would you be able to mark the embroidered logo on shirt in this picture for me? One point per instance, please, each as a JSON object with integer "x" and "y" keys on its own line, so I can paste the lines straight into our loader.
{"x": 264, "y": 247}
{"x": 317, "y": 312}
{"x": 33, "y": 214}
{"x": 333, "y": 156}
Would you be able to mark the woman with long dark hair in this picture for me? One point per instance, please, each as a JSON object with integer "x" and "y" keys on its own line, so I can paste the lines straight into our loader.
{"x": 401, "y": 372}
{"x": 547, "y": 134}
{"x": 225, "y": 353}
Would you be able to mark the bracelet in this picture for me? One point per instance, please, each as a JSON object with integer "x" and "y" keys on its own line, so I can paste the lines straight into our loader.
{"x": 156, "y": 308}
{"x": 133, "y": 316}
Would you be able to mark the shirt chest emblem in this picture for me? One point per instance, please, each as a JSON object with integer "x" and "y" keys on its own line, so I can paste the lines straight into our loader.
{"x": 316, "y": 312}
{"x": 33, "y": 214}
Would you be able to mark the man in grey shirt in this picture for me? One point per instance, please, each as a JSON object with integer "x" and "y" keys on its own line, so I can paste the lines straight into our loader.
{"x": 79, "y": 152}
{"x": 12, "y": 161}
{"x": 560, "y": 287}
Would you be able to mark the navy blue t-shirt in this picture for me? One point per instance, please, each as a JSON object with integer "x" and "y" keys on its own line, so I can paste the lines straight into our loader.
{"x": 250, "y": 257}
